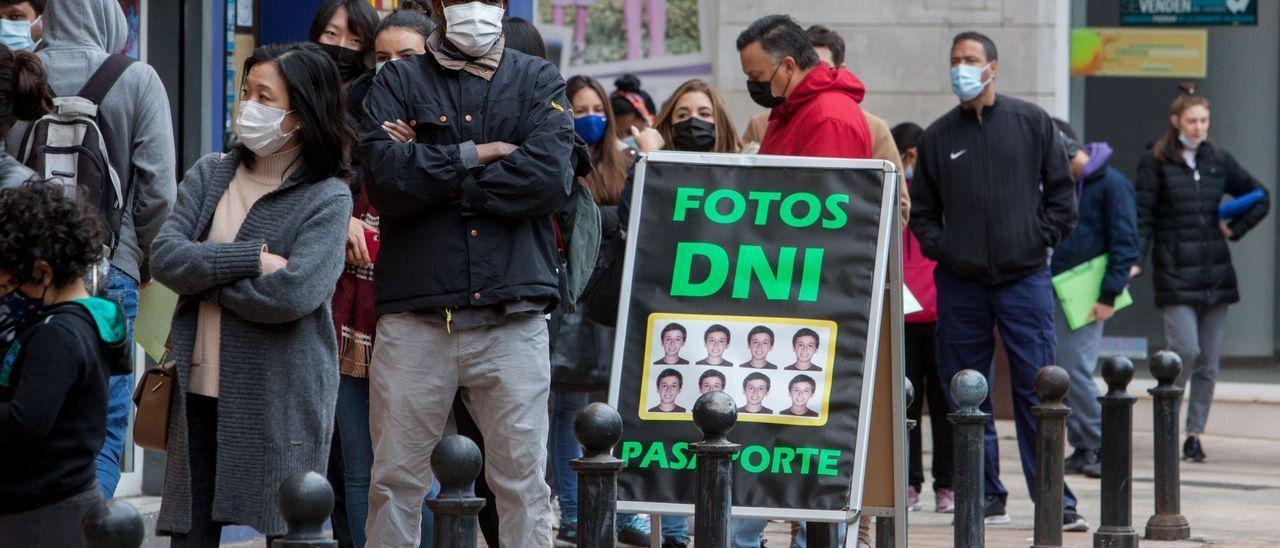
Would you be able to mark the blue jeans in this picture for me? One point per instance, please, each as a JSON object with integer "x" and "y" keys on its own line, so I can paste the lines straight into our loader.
{"x": 563, "y": 447}
{"x": 352, "y": 417}
{"x": 969, "y": 312}
{"x": 124, "y": 290}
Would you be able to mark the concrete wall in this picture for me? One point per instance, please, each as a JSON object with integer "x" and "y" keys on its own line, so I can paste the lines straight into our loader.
{"x": 900, "y": 49}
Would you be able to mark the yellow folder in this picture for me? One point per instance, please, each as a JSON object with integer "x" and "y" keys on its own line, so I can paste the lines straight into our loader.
{"x": 1080, "y": 287}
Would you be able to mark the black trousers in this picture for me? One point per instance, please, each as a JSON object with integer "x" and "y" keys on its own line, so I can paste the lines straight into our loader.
{"x": 920, "y": 350}
{"x": 202, "y": 444}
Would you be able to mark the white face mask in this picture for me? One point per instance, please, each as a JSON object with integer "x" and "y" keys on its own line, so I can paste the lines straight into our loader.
{"x": 473, "y": 27}
{"x": 1188, "y": 142}
{"x": 259, "y": 128}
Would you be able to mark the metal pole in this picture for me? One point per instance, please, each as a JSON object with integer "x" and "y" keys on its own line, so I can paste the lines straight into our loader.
{"x": 112, "y": 524}
{"x": 1052, "y": 384}
{"x": 456, "y": 463}
{"x": 1167, "y": 523}
{"x": 969, "y": 389}
{"x": 598, "y": 428}
{"x": 305, "y": 501}
{"x": 1116, "y": 530}
{"x": 714, "y": 414}
{"x": 886, "y": 532}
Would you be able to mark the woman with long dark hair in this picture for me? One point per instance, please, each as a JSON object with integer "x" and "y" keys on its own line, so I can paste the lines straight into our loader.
{"x": 344, "y": 30}
{"x": 1181, "y": 183}
{"x": 253, "y": 249}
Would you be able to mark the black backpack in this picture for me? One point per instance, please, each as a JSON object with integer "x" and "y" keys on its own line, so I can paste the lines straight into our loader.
{"x": 69, "y": 148}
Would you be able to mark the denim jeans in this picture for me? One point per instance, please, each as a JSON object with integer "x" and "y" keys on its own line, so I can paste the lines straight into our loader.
{"x": 357, "y": 459}
{"x": 564, "y": 448}
{"x": 124, "y": 290}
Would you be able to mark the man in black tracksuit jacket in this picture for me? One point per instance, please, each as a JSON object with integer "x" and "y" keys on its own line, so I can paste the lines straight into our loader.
{"x": 992, "y": 194}
{"x": 466, "y": 271}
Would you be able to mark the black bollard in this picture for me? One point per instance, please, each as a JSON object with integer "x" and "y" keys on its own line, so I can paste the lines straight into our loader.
{"x": 1115, "y": 530}
{"x": 1052, "y": 384}
{"x": 714, "y": 414}
{"x": 598, "y": 428}
{"x": 1167, "y": 523}
{"x": 305, "y": 501}
{"x": 968, "y": 390}
{"x": 456, "y": 463}
{"x": 112, "y": 524}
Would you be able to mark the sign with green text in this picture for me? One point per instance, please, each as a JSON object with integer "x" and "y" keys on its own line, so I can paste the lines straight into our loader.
{"x": 758, "y": 276}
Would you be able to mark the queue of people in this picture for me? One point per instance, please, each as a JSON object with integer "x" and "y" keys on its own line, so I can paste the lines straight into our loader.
{"x": 375, "y": 262}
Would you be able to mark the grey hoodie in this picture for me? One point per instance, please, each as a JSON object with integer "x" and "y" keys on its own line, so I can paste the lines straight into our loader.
{"x": 77, "y": 36}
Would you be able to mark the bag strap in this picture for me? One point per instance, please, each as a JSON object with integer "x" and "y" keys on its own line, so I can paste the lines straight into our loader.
{"x": 96, "y": 88}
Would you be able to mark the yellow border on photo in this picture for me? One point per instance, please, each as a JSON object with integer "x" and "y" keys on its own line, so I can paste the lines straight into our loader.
{"x": 742, "y": 417}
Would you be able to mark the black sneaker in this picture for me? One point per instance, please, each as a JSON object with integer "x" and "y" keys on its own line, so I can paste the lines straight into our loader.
{"x": 568, "y": 534}
{"x": 1073, "y": 522}
{"x": 994, "y": 513}
{"x": 1191, "y": 449}
{"x": 1075, "y": 463}
{"x": 671, "y": 542}
{"x": 1093, "y": 466}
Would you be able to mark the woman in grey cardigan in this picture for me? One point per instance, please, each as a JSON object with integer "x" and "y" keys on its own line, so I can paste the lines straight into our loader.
{"x": 254, "y": 248}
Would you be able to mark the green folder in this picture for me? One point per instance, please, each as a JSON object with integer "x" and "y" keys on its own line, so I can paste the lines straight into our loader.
{"x": 1080, "y": 287}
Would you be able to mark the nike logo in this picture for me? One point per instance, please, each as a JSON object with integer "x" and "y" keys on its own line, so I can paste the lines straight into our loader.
{"x": 955, "y": 155}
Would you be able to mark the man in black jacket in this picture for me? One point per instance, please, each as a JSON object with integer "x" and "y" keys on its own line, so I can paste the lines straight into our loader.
{"x": 467, "y": 267}
{"x": 991, "y": 195}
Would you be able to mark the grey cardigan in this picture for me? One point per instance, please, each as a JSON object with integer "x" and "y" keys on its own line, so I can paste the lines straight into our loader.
{"x": 279, "y": 368}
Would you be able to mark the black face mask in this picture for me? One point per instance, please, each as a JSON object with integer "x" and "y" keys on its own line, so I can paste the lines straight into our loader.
{"x": 694, "y": 135}
{"x": 350, "y": 66}
{"x": 762, "y": 92}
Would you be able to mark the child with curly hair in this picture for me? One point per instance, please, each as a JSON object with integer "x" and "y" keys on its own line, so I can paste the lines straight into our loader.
{"x": 54, "y": 375}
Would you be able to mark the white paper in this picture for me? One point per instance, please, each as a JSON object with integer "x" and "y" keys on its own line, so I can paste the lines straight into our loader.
{"x": 909, "y": 303}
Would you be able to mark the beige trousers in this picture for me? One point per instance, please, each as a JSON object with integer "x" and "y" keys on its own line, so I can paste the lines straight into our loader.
{"x": 504, "y": 375}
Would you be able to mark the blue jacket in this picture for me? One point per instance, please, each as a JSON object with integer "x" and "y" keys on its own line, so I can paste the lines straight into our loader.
{"x": 1107, "y": 224}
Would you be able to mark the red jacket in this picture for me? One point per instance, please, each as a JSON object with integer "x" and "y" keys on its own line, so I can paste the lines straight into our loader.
{"x": 820, "y": 118}
{"x": 917, "y": 275}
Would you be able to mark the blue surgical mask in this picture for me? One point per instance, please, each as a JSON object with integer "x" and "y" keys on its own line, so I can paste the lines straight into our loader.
{"x": 966, "y": 81}
{"x": 591, "y": 127}
{"x": 16, "y": 35}
{"x": 908, "y": 172}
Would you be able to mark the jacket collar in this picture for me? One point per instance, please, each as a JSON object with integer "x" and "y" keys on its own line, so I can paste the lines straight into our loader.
{"x": 822, "y": 79}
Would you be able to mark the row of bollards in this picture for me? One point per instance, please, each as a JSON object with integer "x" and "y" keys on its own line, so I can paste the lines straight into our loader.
{"x": 969, "y": 389}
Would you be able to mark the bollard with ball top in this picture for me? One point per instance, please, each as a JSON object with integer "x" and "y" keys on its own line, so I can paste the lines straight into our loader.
{"x": 1115, "y": 530}
{"x": 1052, "y": 384}
{"x": 1167, "y": 523}
{"x": 305, "y": 501}
{"x": 112, "y": 524}
{"x": 714, "y": 414}
{"x": 598, "y": 428}
{"x": 456, "y": 463}
{"x": 968, "y": 390}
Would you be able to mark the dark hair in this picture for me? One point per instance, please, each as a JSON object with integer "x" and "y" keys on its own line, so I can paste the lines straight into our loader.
{"x": 802, "y": 378}
{"x": 726, "y": 132}
{"x": 1070, "y": 143}
{"x": 757, "y": 377}
{"x": 630, "y": 83}
{"x": 675, "y": 327}
{"x": 668, "y": 372}
{"x": 709, "y": 374}
{"x": 907, "y": 136}
{"x": 806, "y": 332}
{"x": 988, "y": 47}
{"x": 316, "y": 99}
{"x": 523, "y": 37}
{"x": 362, "y": 21}
{"x": 780, "y": 36}
{"x": 1167, "y": 147}
{"x": 717, "y": 328}
{"x": 24, "y": 87}
{"x": 414, "y": 17}
{"x": 423, "y": 6}
{"x": 43, "y": 224}
{"x": 609, "y": 163}
{"x": 36, "y": 5}
{"x": 761, "y": 329}
{"x": 822, "y": 37}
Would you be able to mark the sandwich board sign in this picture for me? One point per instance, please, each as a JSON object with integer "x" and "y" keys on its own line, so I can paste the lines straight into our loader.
{"x": 767, "y": 278}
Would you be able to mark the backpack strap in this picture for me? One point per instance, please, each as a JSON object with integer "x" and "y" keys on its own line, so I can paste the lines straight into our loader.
{"x": 96, "y": 88}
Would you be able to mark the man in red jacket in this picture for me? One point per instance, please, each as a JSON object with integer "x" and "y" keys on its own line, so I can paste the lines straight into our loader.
{"x": 815, "y": 106}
